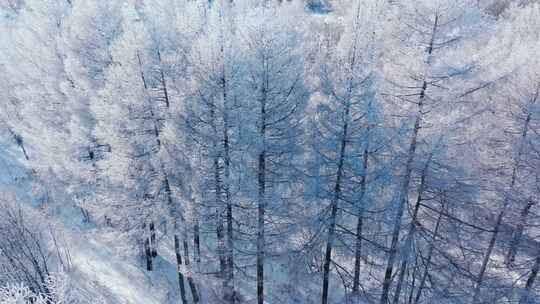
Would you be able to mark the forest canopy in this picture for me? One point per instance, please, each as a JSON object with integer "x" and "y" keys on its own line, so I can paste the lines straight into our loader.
{"x": 319, "y": 151}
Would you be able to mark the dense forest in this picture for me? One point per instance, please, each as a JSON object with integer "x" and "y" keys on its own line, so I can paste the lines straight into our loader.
{"x": 269, "y": 152}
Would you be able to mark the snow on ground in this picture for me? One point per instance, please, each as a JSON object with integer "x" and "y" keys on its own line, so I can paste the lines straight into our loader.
{"x": 126, "y": 282}
{"x": 99, "y": 271}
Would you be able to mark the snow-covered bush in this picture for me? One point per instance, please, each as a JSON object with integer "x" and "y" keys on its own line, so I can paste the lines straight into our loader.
{"x": 24, "y": 254}
{"x": 30, "y": 252}
{"x": 61, "y": 289}
{"x": 20, "y": 294}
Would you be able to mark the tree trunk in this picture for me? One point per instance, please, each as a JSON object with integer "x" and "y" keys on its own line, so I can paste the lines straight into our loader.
{"x": 413, "y": 284}
{"x": 86, "y": 215}
{"x": 149, "y": 243}
{"x": 163, "y": 82}
{"x": 525, "y": 212}
{"x": 175, "y": 214}
{"x": 261, "y": 229}
{"x": 492, "y": 241}
{"x": 153, "y": 242}
{"x": 518, "y": 233}
{"x": 148, "y": 254}
{"x": 516, "y": 239}
{"x": 178, "y": 253}
{"x": 328, "y": 252}
{"x": 261, "y": 208}
{"x": 20, "y": 143}
{"x": 196, "y": 239}
{"x": 412, "y": 230}
{"x": 404, "y": 189}
{"x": 428, "y": 260}
{"x": 221, "y": 243}
{"x": 359, "y": 223}
{"x": 230, "y": 253}
{"x": 401, "y": 276}
{"x": 191, "y": 282}
{"x": 218, "y": 194}
{"x": 334, "y": 207}
{"x": 487, "y": 256}
{"x": 357, "y": 256}
{"x": 229, "y": 292}
{"x": 401, "y": 206}
{"x": 219, "y": 219}
{"x": 527, "y": 296}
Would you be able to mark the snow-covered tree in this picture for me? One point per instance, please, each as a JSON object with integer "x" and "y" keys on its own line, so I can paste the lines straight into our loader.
{"x": 275, "y": 96}
{"x": 345, "y": 125}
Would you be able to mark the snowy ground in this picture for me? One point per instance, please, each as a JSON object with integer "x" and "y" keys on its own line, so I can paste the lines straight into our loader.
{"x": 101, "y": 274}
{"x": 120, "y": 279}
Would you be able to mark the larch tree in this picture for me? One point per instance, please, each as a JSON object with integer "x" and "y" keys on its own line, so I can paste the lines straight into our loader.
{"x": 276, "y": 98}
{"x": 423, "y": 71}
{"x": 343, "y": 123}
{"x": 212, "y": 105}
{"x": 128, "y": 123}
{"x": 514, "y": 159}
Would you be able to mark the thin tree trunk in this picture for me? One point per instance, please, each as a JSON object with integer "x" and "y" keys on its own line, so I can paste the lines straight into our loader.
{"x": 411, "y": 232}
{"x": 196, "y": 239}
{"x": 487, "y": 256}
{"x": 228, "y": 278}
{"x": 401, "y": 275}
{"x": 153, "y": 242}
{"x": 527, "y": 296}
{"x": 401, "y": 206}
{"x": 357, "y": 256}
{"x": 404, "y": 189}
{"x": 163, "y": 82}
{"x": 328, "y": 252}
{"x": 148, "y": 240}
{"x": 175, "y": 214}
{"x": 359, "y": 223}
{"x": 413, "y": 284}
{"x": 230, "y": 248}
{"x": 85, "y": 214}
{"x": 334, "y": 207}
{"x": 428, "y": 260}
{"x": 338, "y": 185}
{"x": 518, "y": 233}
{"x": 219, "y": 220}
{"x": 261, "y": 229}
{"x": 511, "y": 256}
{"x": 221, "y": 243}
{"x": 496, "y": 229}
{"x": 218, "y": 195}
{"x": 148, "y": 254}
{"x": 261, "y": 208}
{"x": 147, "y": 249}
{"x": 178, "y": 253}
{"x": 229, "y": 292}
{"x": 20, "y": 143}
{"x": 173, "y": 209}
{"x": 191, "y": 282}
